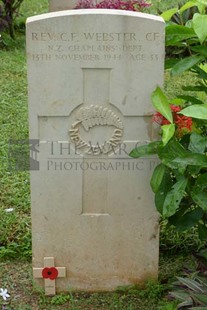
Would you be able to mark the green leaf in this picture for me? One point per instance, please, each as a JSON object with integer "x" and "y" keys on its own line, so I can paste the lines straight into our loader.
{"x": 191, "y": 284}
{"x": 177, "y": 33}
{"x": 190, "y": 99}
{"x": 168, "y": 14}
{"x": 202, "y": 181}
{"x": 201, "y": 2}
{"x": 167, "y": 133}
{"x": 203, "y": 253}
{"x": 201, "y": 299}
{"x": 169, "y": 63}
{"x": 179, "y": 295}
{"x": 200, "y": 26}
{"x": 145, "y": 150}
{"x": 187, "y": 220}
{"x": 164, "y": 188}
{"x": 196, "y": 111}
{"x": 186, "y": 6}
{"x": 157, "y": 177}
{"x": 202, "y": 232}
{"x": 203, "y": 66}
{"x": 178, "y": 100}
{"x": 197, "y": 144}
{"x": 161, "y": 104}
{"x": 185, "y": 64}
{"x": 191, "y": 159}
{"x": 174, "y": 197}
{"x": 171, "y": 151}
{"x": 199, "y": 194}
{"x": 195, "y": 88}
{"x": 194, "y": 170}
{"x": 200, "y": 49}
{"x": 201, "y": 73}
{"x": 187, "y": 304}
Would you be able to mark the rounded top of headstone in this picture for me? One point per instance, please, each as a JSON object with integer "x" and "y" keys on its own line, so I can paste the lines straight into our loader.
{"x": 108, "y": 12}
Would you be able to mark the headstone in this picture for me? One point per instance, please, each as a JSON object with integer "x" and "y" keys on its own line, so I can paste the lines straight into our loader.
{"x": 90, "y": 75}
{"x": 60, "y": 5}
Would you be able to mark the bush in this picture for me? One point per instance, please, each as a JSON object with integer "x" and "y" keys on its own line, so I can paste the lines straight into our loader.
{"x": 133, "y": 5}
{"x": 179, "y": 181}
{"x": 9, "y": 10}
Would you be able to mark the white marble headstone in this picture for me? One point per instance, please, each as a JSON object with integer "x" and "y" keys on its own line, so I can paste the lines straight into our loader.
{"x": 60, "y": 5}
{"x": 90, "y": 76}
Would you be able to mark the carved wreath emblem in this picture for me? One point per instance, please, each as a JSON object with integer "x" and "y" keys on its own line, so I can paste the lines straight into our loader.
{"x": 91, "y": 116}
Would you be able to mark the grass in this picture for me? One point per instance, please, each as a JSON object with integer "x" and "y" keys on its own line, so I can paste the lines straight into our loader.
{"x": 14, "y": 187}
{"x": 15, "y": 233}
{"x": 24, "y": 295}
{"x": 17, "y": 277}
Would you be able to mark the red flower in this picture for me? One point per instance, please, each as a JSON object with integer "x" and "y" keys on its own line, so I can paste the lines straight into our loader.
{"x": 50, "y": 273}
{"x": 160, "y": 119}
{"x": 183, "y": 123}
{"x": 175, "y": 108}
{"x": 165, "y": 121}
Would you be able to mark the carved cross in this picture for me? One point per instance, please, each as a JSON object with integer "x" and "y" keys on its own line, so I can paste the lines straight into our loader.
{"x": 96, "y": 111}
{"x": 49, "y": 273}
{"x": 97, "y": 118}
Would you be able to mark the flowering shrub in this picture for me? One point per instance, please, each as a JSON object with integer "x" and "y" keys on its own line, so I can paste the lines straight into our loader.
{"x": 8, "y": 11}
{"x": 180, "y": 180}
{"x": 133, "y": 5}
{"x": 183, "y": 123}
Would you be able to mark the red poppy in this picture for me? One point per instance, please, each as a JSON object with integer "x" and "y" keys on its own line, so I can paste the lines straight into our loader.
{"x": 50, "y": 273}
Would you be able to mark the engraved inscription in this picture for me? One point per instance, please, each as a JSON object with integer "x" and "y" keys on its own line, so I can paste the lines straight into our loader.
{"x": 97, "y": 46}
{"x": 89, "y": 117}
{"x": 95, "y": 36}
